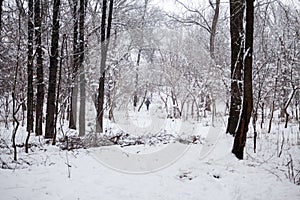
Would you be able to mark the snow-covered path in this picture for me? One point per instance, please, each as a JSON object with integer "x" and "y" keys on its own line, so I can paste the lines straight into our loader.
{"x": 218, "y": 176}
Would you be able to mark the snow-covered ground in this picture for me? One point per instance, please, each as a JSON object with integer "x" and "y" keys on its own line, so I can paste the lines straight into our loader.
{"x": 219, "y": 175}
{"x": 159, "y": 168}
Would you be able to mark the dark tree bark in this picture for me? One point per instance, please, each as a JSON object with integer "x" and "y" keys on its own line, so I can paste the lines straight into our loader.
{"x": 241, "y": 133}
{"x": 104, "y": 48}
{"x": 74, "y": 89}
{"x": 82, "y": 73}
{"x": 286, "y": 105}
{"x": 1, "y": 2}
{"x": 99, "y": 121}
{"x": 51, "y": 107}
{"x": 39, "y": 68}
{"x": 29, "y": 73}
{"x": 30, "y": 67}
{"x": 236, "y": 31}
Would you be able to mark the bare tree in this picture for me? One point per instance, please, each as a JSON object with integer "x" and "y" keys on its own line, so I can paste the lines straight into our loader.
{"x": 74, "y": 87}
{"x": 39, "y": 68}
{"x": 214, "y": 28}
{"x": 81, "y": 66}
{"x": 236, "y": 32}
{"x": 29, "y": 73}
{"x": 51, "y": 107}
{"x": 247, "y": 105}
{"x": 105, "y": 35}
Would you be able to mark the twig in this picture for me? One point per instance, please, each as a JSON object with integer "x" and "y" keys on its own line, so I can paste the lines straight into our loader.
{"x": 67, "y": 163}
{"x": 270, "y": 171}
{"x": 281, "y": 147}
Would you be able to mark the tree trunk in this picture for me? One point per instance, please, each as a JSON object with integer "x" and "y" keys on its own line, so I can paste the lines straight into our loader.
{"x": 1, "y": 2}
{"x": 273, "y": 101}
{"x": 104, "y": 49}
{"x": 51, "y": 107}
{"x": 100, "y": 110}
{"x": 15, "y": 110}
{"x": 74, "y": 88}
{"x": 296, "y": 110}
{"x": 286, "y": 105}
{"x": 241, "y": 133}
{"x": 29, "y": 74}
{"x": 39, "y": 70}
{"x": 82, "y": 73}
{"x": 214, "y": 30}
{"x": 30, "y": 68}
{"x": 58, "y": 88}
{"x": 110, "y": 13}
{"x": 262, "y": 115}
{"x": 236, "y": 32}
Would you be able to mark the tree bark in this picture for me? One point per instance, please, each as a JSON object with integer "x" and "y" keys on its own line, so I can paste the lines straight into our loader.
{"x": 58, "y": 88}
{"x": 247, "y": 106}
{"x": 30, "y": 67}
{"x": 108, "y": 29}
{"x": 100, "y": 110}
{"x": 29, "y": 73}
{"x": 51, "y": 107}
{"x": 82, "y": 73}
{"x": 74, "y": 87}
{"x": 1, "y": 3}
{"x": 39, "y": 68}
{"x": 287, "y": 105}
{"x": 236, "y": 31}
{"x": 104, "y": 48}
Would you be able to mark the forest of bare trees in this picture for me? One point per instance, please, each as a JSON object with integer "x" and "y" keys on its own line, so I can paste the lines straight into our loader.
{"x": 61, "y": 59}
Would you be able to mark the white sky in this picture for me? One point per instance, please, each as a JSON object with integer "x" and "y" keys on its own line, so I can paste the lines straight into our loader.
{"x": 171, "y": 6}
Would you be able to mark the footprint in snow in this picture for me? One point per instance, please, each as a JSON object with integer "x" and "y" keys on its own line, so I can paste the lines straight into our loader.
{"x": 186, "y": 176}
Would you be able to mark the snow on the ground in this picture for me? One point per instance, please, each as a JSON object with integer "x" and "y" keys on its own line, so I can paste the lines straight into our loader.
{"x": 160, "y": 168}
{"x": 219, "y": 175}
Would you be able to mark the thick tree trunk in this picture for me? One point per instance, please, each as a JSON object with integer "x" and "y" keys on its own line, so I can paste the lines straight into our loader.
{"x": 100, "y": 110}
{"x": 108, "y": 29}
{"x": 29, "y": 74}
{"x": 236, "y": 32}
{"x": 82, "y": 73}
{"x": 39, "y": 68}
{"x": 30, "y": 68}
{"x": 74, "y": 87}
{"x": 104, "y": 48}
{"x": 51, "y": 107}
{"x": 241, "y": 133}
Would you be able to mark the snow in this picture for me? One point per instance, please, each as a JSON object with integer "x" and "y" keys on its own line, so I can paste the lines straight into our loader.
{"x": 219, "y": 175}
{"x": 167, "y": 164}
